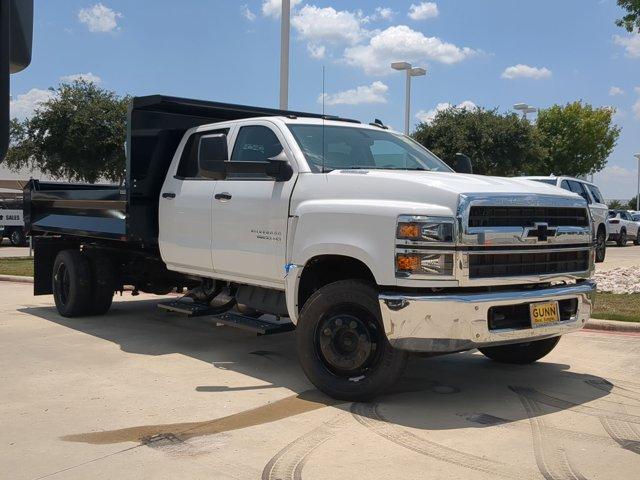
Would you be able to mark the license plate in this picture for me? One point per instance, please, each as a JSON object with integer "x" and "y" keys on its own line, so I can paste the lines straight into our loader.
{"x": 544, "y": 313}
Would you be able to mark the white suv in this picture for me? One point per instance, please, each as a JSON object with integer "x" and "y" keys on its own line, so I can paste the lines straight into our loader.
{"x": 598, "y": 209}
{"x": 623, "y": 227}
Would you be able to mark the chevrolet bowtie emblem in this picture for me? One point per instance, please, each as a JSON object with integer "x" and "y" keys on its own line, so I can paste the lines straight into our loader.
{"x": 540, "y": 230}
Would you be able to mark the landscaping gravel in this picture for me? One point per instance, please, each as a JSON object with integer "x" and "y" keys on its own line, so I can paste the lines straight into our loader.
{"x": 619, "y": 280}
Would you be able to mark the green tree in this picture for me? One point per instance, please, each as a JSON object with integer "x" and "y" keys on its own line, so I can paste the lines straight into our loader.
{"x": 615, "y": 205}
{"x": 577, "y": 139}
{"x": 632, "y": 203}
{"x": 631, "y": 20}
{"x": 498, "y": 144}
{"x": 79, "y": 134}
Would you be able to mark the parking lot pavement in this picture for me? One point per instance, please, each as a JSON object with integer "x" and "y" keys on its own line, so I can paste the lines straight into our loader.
{"x": 628, "y": 256}
{"x": 6, "y": 250}
{"x": 141, "y": 393}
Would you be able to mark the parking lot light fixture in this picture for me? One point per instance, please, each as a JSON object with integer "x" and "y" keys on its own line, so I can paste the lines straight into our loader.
{"x": 411, "y": 72}
{"x": 637, "y": 155}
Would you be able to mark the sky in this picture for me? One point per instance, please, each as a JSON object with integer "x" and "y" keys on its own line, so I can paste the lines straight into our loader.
{"x": 485, "y": 53}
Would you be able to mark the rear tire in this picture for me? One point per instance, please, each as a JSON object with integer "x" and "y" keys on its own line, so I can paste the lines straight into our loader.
{"x": 17, "y": 238}
{"x": 103, "y": 279}
{"x": 622, "y": 238}
{"x": 71, "y": 283}
{"x": 341, "y": 342}
{"x": 521, "y": 353}
{"x": 636, "y": 241}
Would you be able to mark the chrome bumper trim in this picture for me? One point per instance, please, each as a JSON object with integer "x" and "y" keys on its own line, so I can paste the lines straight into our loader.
{"x": 457, "y": 322}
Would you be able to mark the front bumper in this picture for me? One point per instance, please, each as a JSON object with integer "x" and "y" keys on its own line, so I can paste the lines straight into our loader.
{"x": 458, "y": 321}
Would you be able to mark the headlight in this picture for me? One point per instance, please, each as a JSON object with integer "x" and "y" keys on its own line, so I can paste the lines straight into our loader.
{"x": 424, "y": 263}
{"x": 425, "y": 229}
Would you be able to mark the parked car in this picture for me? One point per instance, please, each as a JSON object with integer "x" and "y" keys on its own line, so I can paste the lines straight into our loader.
{"x": 359, "y": 237}
{"x": 598, "y": 209}
{"x": 622, "y": 228}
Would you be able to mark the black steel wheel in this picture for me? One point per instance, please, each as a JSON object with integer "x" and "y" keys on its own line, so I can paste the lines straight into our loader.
{"x": 341, "y": 344}
{"x": 71, "y": 284}
{"x": 601, "y": 246}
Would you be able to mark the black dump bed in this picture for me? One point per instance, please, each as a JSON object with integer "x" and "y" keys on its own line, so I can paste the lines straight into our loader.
{"x": 155, "y": 127}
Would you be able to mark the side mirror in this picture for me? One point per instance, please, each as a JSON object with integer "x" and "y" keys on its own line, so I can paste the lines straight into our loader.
{"x": 462, "y": 163}
{"x": 279, "y": 168}
{"x": 212, "y": 156}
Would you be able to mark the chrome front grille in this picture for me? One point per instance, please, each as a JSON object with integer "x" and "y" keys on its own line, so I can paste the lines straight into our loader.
{"x": 522, "y": 239}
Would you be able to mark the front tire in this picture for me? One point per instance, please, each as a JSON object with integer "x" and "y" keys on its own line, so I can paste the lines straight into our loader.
{"x": 71, "y": 282}
{"x": 601, "y": 246}
{"x": 521, "y": 353}
{"x": 341, "y": 343}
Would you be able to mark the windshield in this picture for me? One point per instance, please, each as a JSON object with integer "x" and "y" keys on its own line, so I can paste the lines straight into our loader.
{"x": 354, "y": 148}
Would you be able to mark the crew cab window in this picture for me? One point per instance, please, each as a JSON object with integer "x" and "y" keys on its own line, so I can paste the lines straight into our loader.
{"x": 255, "y": 143}
{"x": 576, "y": 187}
{"x": 595, "y": 193}
{"x": 188, "y": 166}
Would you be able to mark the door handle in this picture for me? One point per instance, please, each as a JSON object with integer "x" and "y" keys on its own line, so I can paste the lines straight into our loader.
{"x": 224, "y": 196}
{"x": 168, "y": 195}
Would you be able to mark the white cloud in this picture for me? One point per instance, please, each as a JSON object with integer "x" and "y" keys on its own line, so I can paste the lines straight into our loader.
{"x": 317, "y": 25}
{"x": 630, "y": 43}
{"x": 87, "y": 77}
{"x": 374, "y": 93}
{"x": 636, "y": 109}
{"x": 316, "y": 51}
{"x": 402, "y": 43}
{"x": 427, "y": 116}
{"x": 384, "y": 13}
{"x": 99, "y": 18}
{"x": 423, "y": 11}
{"x": 247, "y": 13}
{"x": 525, "y": 71}
{"x": 616, "y": 91}
{"x": 25, "y": 105}
{"x": 273, "y": 8}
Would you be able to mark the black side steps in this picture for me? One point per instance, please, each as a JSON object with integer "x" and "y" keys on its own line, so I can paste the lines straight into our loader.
{"x": 230, "y": 319}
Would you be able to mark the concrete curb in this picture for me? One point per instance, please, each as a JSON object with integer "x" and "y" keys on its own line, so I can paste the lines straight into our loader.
{"x": 612, "y": 326}
{"x": 15, "y": 278}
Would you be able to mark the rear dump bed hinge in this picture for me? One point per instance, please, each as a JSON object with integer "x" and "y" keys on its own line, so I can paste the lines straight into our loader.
{"x": 265, "y": 325}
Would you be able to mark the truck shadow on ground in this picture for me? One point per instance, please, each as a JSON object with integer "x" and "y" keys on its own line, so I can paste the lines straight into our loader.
{"x": 449, "y": 392}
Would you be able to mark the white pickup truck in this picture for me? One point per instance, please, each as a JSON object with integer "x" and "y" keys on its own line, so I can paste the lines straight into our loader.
{"x": 358, "y": 236}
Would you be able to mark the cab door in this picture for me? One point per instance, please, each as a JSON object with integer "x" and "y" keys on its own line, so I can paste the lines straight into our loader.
{"x": 250, "y": 211}
{"x": 185, "y": 213}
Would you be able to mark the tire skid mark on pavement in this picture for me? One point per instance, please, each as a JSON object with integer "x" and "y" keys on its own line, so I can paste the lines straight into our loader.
{"x": 609, "y": 387}
{"x": 288, "y": 463}
{"x": 561, "y": 404}
{"x": 560, "y": 433}
{"x": 367, "y": 415}
{"x": 552, "y": 460}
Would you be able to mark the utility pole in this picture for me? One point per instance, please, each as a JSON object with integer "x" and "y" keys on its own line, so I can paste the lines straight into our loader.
{"x": 285, "y": 27}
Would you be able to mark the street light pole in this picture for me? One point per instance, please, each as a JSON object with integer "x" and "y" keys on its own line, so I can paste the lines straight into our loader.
{"x": 407, "y": 102}
{"x": 410, "y": 72}
{"x": 637, "y": 155}
{"x": 284, "y": 54}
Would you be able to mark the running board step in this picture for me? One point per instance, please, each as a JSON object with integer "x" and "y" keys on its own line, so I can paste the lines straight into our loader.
{"x": 255, "y": 325}
{"x": 188, "y": 308}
